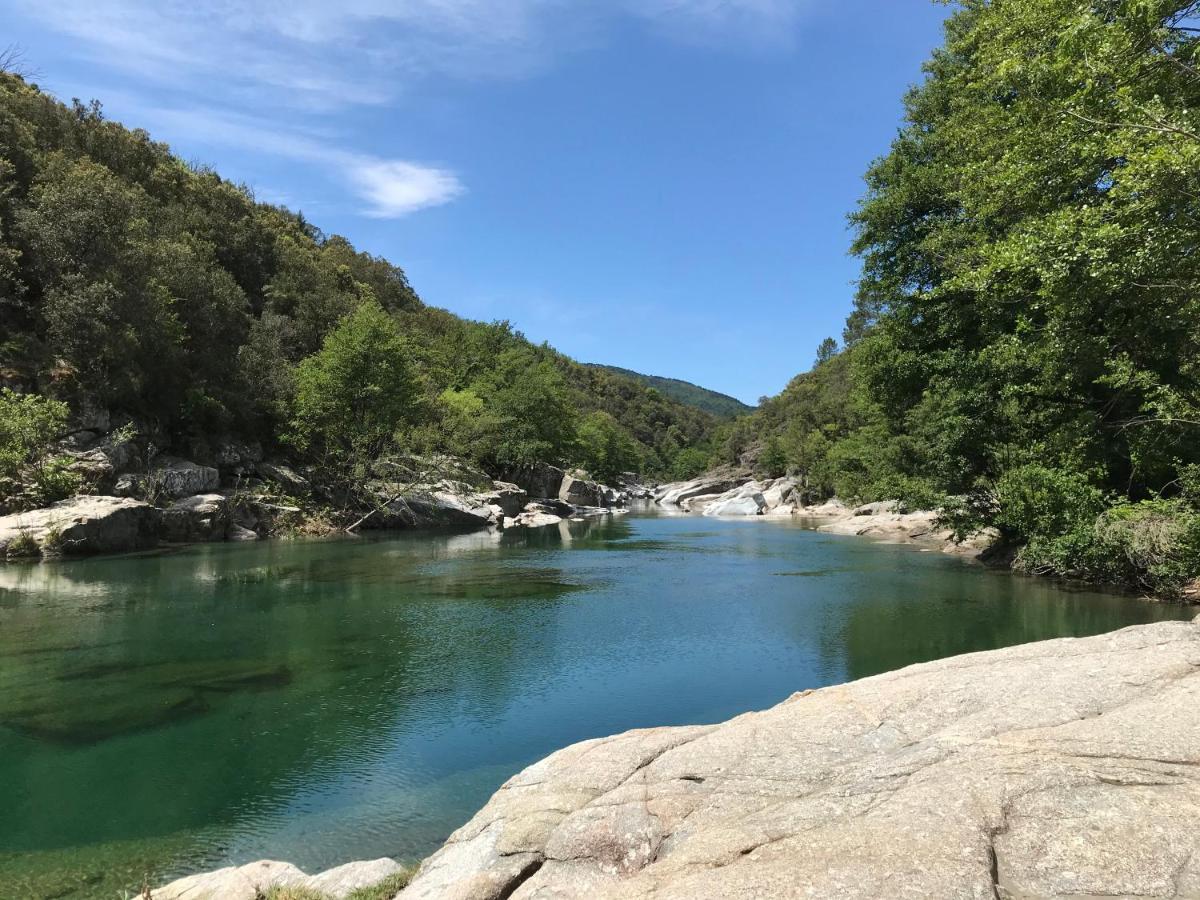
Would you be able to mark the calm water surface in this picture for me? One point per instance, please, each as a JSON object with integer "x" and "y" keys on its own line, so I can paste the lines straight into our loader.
{"x": 320, "y": 702}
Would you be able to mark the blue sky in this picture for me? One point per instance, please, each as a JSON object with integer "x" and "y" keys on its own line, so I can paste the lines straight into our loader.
{"x": 656, "y": 184}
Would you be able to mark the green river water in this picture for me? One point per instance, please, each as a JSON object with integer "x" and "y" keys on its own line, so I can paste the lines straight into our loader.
{"x": 326, "y": 701}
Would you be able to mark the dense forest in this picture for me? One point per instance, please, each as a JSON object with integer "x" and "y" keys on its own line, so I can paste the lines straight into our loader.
{"x": 721, "y": 405}
{"x": 158, "y": 294}
{"x": 1024, "y": 344}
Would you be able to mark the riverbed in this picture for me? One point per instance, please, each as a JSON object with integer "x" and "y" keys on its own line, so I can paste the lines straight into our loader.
{"x": 322, "y": 701}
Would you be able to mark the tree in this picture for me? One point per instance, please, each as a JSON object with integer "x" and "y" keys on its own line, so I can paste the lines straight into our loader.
{"x": 353, "y": 395}
{"x": 606, "y": 450}
{"x": 826, "y": 350}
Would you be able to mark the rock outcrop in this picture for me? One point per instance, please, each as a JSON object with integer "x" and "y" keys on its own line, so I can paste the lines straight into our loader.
{"x": 538, "y": 480}
{"x": 253, "y": 880}
{"x": 204, "y": 517}
{"x": 81, "y": 525}
{"x": 1066, "y": 768}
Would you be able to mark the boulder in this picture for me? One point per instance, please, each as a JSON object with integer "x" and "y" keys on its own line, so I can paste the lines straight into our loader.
{"x": 510, "y": 498}
{"x": 878, "y": 508}
{"x": 1065, "y": 768}
{"x": 778, "y": 492}
{"x": 446, "y": 508}
{"x": 204, "y": 517}
{"x": 86, "y": 524}
{"x": 292, "y": 482}
{"x": 239, "y": 534}
{"x": 581, "y": 492}
{"x": 235, "y": 455}
{"x": 182, "y": 478}
{"x": 537, "y": 480}
{"x": 255, "y": 880}
{"x": 746, "y": 500}
{"x": 675, "y": 494}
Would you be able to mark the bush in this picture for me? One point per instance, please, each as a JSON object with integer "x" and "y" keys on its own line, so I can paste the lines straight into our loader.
{"x": 28, "y": 424}
{"x": 1153, "y": 545}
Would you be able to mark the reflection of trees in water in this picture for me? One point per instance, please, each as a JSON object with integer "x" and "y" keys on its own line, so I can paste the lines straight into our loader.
{"x": 921, "y": 616}
{"x": 148, "y": 696}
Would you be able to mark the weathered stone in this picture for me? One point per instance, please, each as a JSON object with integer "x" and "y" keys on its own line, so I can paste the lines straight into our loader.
{"x": 254, "y": 880}
{"x": 337, "y": 883}
{"x": 86, "y": 524}
{"x": 1066, "y": 768}
{"x": 746, "y": 500}
{"x": 289, "y": 479}
{"x": 674, "y": 494}
{"x": 181, "y": 478}
{"x": 580, "y": 492}
{"x": 779, "y": 492}
{"x": 239, "y": 534}
{"x": 204, "y": 517}
{"x": 510, "y": 498}
{"x": 233, "y": 455}
{"x": 537, "y": 480}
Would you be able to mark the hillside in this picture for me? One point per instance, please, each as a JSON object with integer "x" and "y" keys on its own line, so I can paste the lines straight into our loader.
{"x": 137, "y": 288}
{"x": 721, "y": 405}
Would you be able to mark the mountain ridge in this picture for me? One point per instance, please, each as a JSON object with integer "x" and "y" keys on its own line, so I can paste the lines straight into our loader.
{"x": 706, "y": 399}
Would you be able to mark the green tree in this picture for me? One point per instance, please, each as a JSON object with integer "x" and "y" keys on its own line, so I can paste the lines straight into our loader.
{"x": 606, "y": 450}
{"x": 353, "y": 394}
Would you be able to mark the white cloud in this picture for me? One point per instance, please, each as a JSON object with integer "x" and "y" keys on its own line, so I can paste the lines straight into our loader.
{"x": 396, "y": 188}
{"x": 317, "y": 54}
{"x": 391, "y": 188}
{"x": 269, "y": 62}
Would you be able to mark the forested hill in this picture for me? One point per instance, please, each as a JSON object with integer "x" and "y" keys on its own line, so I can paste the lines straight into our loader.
{"x": 134, "y": 283}
{"x": 720, "y": 405}
{"x": 1025, "y": 346}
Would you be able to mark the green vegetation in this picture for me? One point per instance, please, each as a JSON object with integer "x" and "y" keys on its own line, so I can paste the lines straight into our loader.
{"x": 721, "y": 405}
{"x": 134, "y": 283}
{"x": 29, "y": 425}
{"x": 1025, "y": 344}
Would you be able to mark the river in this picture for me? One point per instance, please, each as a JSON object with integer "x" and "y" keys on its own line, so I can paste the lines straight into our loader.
{"x": 326, "y": 701}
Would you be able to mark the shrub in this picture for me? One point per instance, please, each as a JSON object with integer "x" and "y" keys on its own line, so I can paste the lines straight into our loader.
{"x": 28, "y": 425}
{"x": 23, "y": 546}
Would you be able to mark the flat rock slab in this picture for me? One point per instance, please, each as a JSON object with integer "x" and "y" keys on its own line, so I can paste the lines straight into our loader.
{"x": 1066, "y": 768}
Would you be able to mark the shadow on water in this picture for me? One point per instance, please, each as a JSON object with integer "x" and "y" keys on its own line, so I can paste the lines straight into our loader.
{"x": 323, "y": 701}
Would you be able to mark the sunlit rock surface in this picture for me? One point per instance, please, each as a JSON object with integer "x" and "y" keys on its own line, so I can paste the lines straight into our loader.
{"x": 1066, "y": 768}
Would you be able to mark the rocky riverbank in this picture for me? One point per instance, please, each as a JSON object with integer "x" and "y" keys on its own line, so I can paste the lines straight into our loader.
{"x": 138, "y": 504}
{"x": 733, "y": 495}
{"x": 1064, "y": 768}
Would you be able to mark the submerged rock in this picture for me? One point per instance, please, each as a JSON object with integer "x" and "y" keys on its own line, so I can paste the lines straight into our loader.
{"x": 1064, "y": 768}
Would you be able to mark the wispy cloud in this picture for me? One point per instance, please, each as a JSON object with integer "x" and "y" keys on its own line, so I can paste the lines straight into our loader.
{"x": 390, "y": 188}
{"x": 277, "y": 65}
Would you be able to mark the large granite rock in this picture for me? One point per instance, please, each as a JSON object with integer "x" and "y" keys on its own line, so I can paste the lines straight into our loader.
{"x": 676, "y": 493}
{"x": 538, "y": 480}
{"x": 747, "y": 500}
{"x": 204, "y": 517}
{"x": 510, "y": 498}
{"x": 1067, "y": 768}
{"x": 579, "y": 491}
{"x": 87, "y": 524}
{"x": 253, "y": 880}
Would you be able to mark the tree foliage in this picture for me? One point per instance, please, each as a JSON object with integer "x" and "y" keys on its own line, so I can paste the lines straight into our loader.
{"x": 1026, "y": 333}
{"x": 133, "y": 282}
